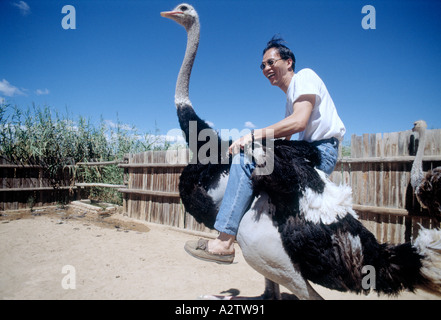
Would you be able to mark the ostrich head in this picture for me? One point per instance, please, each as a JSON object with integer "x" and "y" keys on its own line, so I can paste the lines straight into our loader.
{"x": 419, "y": 126}
{"x": 184, "y": 14}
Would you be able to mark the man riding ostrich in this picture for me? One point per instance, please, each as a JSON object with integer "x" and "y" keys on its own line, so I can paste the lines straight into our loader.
{"x": 293, "y": 225}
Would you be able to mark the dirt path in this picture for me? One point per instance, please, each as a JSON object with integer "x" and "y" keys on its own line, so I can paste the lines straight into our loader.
{"x": 116, "y": 258}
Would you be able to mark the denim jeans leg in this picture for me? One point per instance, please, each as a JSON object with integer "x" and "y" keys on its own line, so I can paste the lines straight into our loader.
{"x": 238, "y": 195}
{"x": 329, "y": 154}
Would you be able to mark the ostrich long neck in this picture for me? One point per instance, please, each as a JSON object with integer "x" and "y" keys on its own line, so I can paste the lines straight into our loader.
{"x": 189, "y": 121}
{"x": 416, "y": 174}
{"x": 183, "y": 82}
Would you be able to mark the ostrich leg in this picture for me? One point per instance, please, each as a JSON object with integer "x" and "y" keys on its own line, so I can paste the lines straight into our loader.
{"x": 272, "y": 291}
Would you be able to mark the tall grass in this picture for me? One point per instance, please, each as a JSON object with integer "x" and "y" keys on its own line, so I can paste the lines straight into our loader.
{"x": 43, "y": 136}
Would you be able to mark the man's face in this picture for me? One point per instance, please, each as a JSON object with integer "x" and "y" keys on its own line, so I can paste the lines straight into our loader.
{"x": 279, "y": 68}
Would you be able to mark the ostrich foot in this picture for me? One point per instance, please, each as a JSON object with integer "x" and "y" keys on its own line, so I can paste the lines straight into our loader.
{"x": 272, "y": 292}
{"x": 283, "y": 296}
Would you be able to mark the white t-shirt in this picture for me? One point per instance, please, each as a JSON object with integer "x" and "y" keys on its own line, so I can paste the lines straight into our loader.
{"x": 324, "y": 122}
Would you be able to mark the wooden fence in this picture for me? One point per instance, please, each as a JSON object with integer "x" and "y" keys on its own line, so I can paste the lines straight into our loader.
{"x": 378, "y": 172}
{"x": 152, "y": 192}
{"x": 23, "y": 186}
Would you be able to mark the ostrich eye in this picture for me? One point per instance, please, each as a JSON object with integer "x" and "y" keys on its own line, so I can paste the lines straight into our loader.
{"x": 184, "y": 8}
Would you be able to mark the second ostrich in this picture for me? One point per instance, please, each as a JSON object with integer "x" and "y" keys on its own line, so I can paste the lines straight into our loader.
{"x": 300, "y": 227}
{"x": 427, "y": 186}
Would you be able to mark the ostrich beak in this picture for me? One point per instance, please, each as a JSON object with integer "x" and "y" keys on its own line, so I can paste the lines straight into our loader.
{"x": 169, "y": 14}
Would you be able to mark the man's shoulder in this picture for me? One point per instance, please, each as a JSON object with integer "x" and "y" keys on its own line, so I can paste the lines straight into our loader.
{"x": 308, "y": 75}
{"x": 307, "y": 72}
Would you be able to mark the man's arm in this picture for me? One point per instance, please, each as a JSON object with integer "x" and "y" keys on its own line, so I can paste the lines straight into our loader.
{"x": 296, "y": 122}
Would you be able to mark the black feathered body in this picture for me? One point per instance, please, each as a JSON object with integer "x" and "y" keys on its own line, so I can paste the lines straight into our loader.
{"x": 429, "y": 192}
{"x": 335, "y": 255}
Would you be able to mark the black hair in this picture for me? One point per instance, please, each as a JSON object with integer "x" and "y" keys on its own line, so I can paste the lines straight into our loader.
{"x": 284, "y": 52}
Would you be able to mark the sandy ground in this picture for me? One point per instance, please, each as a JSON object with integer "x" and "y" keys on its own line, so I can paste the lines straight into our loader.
{"x": 117, "y": 258}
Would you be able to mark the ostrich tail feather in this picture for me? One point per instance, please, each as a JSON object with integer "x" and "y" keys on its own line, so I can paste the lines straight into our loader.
{"x": 428, "y": 244}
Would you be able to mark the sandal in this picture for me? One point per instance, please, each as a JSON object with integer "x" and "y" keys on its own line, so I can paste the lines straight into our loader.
{"x": 199, "y": 250}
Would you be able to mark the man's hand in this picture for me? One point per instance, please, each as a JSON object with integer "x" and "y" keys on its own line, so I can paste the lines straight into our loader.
{"x": 239, "y": 144}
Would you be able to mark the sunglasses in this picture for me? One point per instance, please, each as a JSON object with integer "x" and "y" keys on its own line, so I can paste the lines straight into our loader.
{"x": 269, "y": 62}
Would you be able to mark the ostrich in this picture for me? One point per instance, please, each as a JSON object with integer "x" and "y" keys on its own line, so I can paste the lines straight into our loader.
{"x": 427, "y": 187}
{"x": 300, "y": 226}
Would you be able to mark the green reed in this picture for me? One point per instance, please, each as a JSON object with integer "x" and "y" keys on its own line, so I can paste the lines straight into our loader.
{"x": 43, "y": 136}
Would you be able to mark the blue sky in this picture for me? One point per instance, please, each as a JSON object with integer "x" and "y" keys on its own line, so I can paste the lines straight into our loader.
{"x": 122, "y": 60}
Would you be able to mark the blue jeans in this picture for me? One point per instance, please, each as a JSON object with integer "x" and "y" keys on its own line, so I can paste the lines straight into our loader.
{"x": 329, "y": 151}
{"x": 239, "y": 192}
